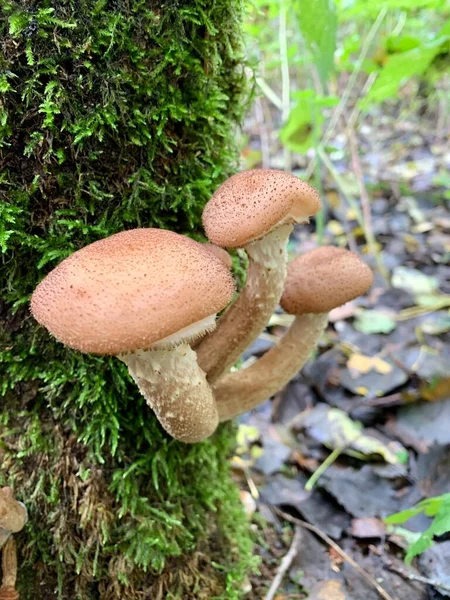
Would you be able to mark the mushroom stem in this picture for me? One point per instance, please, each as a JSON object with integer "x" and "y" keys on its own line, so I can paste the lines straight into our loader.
{"x": 9, "y": 566}
{"x": 238, "y": 392}
{"x": 242, "y": 322}
{"x": 176, "y": 389}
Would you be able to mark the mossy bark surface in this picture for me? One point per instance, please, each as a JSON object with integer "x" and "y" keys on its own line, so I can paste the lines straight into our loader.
{"x": 113, "y": 114}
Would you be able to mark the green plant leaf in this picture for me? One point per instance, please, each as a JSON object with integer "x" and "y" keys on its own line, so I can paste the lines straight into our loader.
{"x": 374, "y": 321}
{"x": 317, "y": 20}
{"x": 398, "y": 69}
{"x": 437, "y": 507}
{"x": 297, "y": 133}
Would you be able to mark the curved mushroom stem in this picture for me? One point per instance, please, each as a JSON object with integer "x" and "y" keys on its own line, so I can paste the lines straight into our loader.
{"x": 239, "y": 392}
{"x": 242, "y": 322}
{"x": 9, "y": 570}
{"x": 176, "y": 389}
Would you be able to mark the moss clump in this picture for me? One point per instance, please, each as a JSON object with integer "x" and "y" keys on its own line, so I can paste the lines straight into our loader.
{"x": 113, "y": 114}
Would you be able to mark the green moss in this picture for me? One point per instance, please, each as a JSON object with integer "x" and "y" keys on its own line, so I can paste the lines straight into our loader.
{"x": 113, "y": 114}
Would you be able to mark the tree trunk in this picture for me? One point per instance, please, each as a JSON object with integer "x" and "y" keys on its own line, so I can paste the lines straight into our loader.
{"x": 114, "y": 114}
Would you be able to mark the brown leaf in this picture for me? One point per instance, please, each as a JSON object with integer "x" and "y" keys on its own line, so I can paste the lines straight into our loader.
{"x": 369, "y": 527}
{"x": 332, "y": 589}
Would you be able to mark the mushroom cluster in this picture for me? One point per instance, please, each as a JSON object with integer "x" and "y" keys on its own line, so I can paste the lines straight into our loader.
{"x": 13, "y": 517}
{"x": 151, "y": 297}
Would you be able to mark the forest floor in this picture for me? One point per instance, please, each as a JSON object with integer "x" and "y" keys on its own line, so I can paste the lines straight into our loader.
{"x": 375, "y": 399}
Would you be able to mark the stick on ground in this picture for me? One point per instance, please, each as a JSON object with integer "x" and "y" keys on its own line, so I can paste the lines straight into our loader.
{"x": 367, "y": 576}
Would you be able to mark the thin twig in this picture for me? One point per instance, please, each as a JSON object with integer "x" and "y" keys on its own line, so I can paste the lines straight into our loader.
{"x": 269, "y": 93}
{"x": 285, "y": 564}
{"x": 285, "y": 78}
{"x": 367, "y": 576}
{"x": 419, "y": 578}
{"x": 365, "y": 202}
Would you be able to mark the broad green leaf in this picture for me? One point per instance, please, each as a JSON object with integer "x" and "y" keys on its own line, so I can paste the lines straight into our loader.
{"x": 437, "y": 507}
{"x": 317, "y": 20}
{"x": 398, "y": 69}
{"x": 414, "y": 281}
{"x": 297, "y": 132}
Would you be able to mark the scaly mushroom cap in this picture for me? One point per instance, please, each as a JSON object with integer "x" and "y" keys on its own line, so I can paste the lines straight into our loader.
{"x": 130, "y": 290}
{"x": 220, "y": 253}
{"x": 13, "y": 514}
{"x": 323, "y": 279}
{"x": 250, "y": 204}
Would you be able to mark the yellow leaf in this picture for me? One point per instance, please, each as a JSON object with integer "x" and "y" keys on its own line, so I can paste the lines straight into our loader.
{"x": 436, "y": 390}
{"x": 335, "y": 227}
{"x": 361, "y": 390}
{"x": 364, "y": 364}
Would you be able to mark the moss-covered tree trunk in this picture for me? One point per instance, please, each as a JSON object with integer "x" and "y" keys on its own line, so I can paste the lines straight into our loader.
{"x": 113, "y": 114}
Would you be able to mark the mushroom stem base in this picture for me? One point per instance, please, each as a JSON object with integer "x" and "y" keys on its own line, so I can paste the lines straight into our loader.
{"x": 176, "y": 389}
{"x": 239, "y": 392}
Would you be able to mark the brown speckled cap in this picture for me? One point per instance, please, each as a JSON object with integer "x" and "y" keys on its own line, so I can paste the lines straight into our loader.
{"x": 220, "y": 253}
{"x": 323, "y": 279}
{"x": 130, "y": 290}
{"x": 13, "y": 514}
{"x": 250, "y": 204}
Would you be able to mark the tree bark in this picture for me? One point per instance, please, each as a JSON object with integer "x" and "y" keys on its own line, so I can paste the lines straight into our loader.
{"x": 114, "y": 114}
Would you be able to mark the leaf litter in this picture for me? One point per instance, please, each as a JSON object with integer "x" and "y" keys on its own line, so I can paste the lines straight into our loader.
{"x": 376, "y": 394}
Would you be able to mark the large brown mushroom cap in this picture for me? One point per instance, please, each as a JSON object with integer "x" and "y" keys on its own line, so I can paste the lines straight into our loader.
{"x": 250, "y": 204}
{"x": 13, "y": 514}
{"x": 130, "y": 290}
{"x": 323, "y": 279}
{"x": 220, "y": 253}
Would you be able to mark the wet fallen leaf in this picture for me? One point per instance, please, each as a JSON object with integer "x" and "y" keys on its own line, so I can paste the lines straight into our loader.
{"x": 377, "y": 381}
{"x": 334, "y": 429}
{"x": 438, "y": 389}
{"x": 426, "y": 422}
{"x": 436, "y": 323}
{"x": 367, "y": 528}
{"x": 363, "y": 364}
{"x": 375, "y": 321}
{"x": 434, "y": 564}
{"x": 413, "y": 281}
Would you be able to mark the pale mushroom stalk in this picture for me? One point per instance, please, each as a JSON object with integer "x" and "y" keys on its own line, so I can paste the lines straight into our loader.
{"x": 239, "y": 392}
{"x": 175, "y": 387}
{"x": 142, "y": 295}
{"x": 317, "y": 282}
{"x": 254, "y": 210}
{"x": 243, "y": 321}
{"x": 9, "y": 570}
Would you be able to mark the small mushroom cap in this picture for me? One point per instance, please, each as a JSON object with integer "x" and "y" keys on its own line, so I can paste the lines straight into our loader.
{"x": 220, "y": 253}
{"x": 248, "y": 205}
{"x": 13, "y": 514}
{"x": 130, "y": 290}
{"x": 323, "y": 279}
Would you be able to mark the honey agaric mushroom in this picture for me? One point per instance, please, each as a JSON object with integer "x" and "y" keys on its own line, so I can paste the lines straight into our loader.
{"x": 13, "y": 514}
{"x": 254, "y": 210}
{"x": 143, "y": 295}
{"x": 220, "y": 253}
{"x": 9, "y": 571}
{"x": 317, "y": 282}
